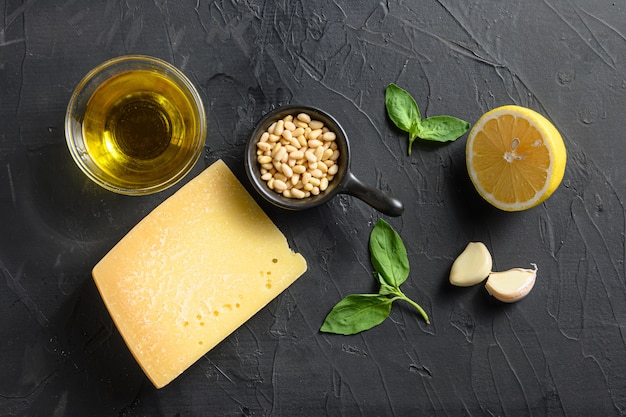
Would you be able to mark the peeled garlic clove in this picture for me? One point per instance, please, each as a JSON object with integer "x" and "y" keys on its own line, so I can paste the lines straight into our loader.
{"x": 512, "y": 285}
{"x": 472, "y": 266}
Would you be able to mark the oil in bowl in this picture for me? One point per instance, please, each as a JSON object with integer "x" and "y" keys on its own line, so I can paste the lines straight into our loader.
{"x": 135, "y": 125}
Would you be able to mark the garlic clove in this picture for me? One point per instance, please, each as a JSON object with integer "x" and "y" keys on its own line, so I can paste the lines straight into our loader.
{"x": 512, "y": 285}
{"x": 472, "y": 266}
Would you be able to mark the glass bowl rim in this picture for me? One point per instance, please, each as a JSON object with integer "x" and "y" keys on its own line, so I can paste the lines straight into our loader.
{"x": 172, "y": 73}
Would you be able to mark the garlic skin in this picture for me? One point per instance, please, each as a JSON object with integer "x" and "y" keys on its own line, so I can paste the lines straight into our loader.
{"x": 472, "y": 266}
{"x": 511, "y": 285}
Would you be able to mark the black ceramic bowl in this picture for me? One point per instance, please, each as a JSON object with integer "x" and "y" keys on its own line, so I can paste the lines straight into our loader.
{"x": 344, "y": 181}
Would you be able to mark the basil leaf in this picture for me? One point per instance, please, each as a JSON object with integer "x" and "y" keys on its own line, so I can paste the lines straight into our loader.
{"x": 356, "y": 313}
{"x": 402, "y": 108}
{"x": 385, "y": 289}
{"x": 359, "y": 312}
{"x": 442, "y": 128}
{"x": 388, "y": 254}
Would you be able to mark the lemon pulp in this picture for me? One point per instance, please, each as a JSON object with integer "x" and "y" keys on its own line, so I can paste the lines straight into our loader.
{"x": 515, "y": 157}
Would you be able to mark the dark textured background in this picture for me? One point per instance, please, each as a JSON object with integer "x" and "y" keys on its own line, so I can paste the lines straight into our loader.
{"x": 559, "y": 352}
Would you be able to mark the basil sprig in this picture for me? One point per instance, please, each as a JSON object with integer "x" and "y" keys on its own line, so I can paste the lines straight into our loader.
{"x": 359, "y": 312}
{"x": 404, "y": 113}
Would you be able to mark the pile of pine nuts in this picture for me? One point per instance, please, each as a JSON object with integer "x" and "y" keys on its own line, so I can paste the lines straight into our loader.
{"x": 298, "y": 156}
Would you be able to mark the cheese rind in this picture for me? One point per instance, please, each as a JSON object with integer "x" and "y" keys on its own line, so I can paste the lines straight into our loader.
{"x": 192, "y": 271}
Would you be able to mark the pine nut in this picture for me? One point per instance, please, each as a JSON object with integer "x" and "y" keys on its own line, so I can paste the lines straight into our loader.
{"x": 295, "y": 143}
{"x": 316, "y": 124}
{"x": 280, "y": 126}
{"x": 317, "y": 173}
{"x": 274, "y": 138}
{"x": 264, "y": 146}
{"x": 314, "y": 143}
{"x": 310, "y": 156}
{"x": 303, "y": 117}
{"x": 297, "y": 193}
{"x": 298, "y": 156}
{"x": 280, "y": 155}
{"x": 319, "y": 153}
{"x": 323, "y": 184}
{"x": 279, "y": 185}
{"x": 314, "y": 134}
{"x": 333, "y": 170}
{"x": 264, "y": 159}
{"x": 299, "y": 169}
{"x": 287, "y": 170}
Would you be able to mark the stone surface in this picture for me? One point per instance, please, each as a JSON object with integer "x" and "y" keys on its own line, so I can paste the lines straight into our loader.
{"x": 558, "y": 352}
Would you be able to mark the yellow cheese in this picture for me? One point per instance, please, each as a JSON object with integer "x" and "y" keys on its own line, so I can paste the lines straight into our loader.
{"x": 192, "y": 271}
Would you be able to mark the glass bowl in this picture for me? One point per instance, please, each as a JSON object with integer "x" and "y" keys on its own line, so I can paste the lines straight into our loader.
{"x": 135, "y": 125}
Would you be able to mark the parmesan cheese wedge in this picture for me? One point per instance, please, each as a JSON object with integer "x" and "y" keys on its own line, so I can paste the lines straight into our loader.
{"x": 192, "y": 271}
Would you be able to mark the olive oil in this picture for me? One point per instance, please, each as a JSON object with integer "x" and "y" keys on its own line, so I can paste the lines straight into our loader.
{"x": 139, "y": 128}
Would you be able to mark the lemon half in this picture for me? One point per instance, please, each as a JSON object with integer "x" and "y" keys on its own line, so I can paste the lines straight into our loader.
{"x": 515, "y": 157}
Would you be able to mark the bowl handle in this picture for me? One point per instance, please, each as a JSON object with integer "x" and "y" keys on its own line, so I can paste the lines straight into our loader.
{"x": 376, "y": 198}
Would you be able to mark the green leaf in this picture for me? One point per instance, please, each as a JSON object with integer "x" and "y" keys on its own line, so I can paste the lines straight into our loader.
{"x": 388, "y": 254}
{"x": 356, "y": 313}
{"x": 359, "y": 312}
{"x": 442, "y": 128}
{"x": 402, "y": 108}
{"x": 404, "y": 112}
{"x": 385, "y": 289}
